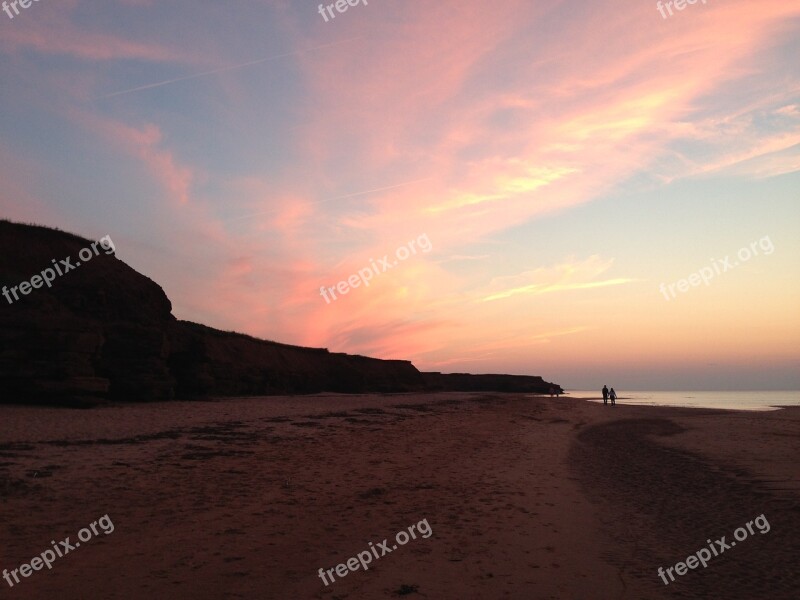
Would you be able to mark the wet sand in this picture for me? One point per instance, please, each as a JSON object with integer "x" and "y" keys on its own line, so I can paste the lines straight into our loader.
{"x": 526, "y": 497}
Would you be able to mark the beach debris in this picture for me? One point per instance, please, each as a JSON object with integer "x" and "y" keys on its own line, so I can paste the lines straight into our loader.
{"x": 374, "y": 492}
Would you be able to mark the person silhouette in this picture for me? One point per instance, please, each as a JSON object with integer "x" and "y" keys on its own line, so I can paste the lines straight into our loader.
{"x": 605, "y": 395}
{"x": 613, "y": 395}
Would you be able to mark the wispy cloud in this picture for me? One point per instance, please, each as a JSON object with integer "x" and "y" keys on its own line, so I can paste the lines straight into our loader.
{"x": 536, "y": 289}
{"x": 568, "y": 276}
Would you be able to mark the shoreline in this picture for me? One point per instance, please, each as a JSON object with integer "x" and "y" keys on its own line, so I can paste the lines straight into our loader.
{"x": 711, "y": 400}
{"x": 654, "y": 405}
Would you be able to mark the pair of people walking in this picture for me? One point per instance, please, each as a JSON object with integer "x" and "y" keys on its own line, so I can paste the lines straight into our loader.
{"x": 609, "y": 394}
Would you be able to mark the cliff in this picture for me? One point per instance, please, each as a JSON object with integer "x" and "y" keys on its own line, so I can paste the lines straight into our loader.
{"x": 207, "y": 361}
{"x": 465, "y": 382}
{"x": 99, "y": 330}
{"x": 102, "y": 331}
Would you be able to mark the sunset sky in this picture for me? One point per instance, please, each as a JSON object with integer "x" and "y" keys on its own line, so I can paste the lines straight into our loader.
{"x": 563, "y": 158}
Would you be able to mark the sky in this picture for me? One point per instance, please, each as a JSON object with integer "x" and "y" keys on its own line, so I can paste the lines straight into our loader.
{"x": 519, "y": 183}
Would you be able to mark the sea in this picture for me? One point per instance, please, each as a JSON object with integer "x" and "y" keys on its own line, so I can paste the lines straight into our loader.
{"x": 771, "y": 400}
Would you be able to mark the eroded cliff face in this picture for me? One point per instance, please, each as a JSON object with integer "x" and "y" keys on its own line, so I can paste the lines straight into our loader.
{"x": 97, "y": 331}
{"x": 207, "y": 362}
{"x": 103, "y": 332}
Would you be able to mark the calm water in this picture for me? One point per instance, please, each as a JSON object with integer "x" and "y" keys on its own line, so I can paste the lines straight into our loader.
{"x": 730, "y": 400}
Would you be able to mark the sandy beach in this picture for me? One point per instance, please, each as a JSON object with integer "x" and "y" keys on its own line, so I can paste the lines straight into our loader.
{"x": 526, "y": 497}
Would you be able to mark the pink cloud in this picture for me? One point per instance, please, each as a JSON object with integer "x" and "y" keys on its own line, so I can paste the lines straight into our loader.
{"x": 579, "y": 123}
{"x": 147, "y": 144}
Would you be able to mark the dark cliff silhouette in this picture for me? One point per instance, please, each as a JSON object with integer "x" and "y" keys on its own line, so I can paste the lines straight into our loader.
{"x": 465, "y": 382}
{"x": 106, "y": 332}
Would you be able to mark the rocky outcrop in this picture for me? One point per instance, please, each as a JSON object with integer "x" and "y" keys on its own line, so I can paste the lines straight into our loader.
{"x": 99, "y": 331}
{"x": 103, "y": 332}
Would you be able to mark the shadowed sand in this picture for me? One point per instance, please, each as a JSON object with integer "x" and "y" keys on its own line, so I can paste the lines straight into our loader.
{"x": 527, "y": 498}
